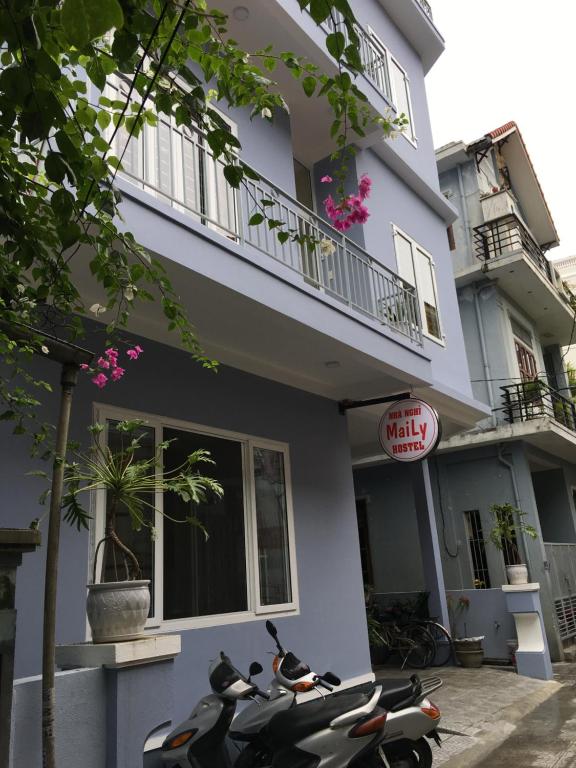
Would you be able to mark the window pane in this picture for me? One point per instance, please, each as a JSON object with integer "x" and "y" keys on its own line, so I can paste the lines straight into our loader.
{"x": 404, "y": 259}
{"x": 272, "y": 522}
{"x": 427, "y": 290}
{"x": 140, "y": 542}
{"x": 402, "y": 98}
{"x": 205, "y": 577}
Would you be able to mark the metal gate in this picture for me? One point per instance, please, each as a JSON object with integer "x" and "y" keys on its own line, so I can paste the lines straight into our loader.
{"x": 562, "y": 559}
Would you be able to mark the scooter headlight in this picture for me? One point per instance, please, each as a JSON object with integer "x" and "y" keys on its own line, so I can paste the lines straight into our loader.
{"x": 179, "y": 739}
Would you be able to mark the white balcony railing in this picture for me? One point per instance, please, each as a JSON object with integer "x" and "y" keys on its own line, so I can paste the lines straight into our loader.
{"x": 373, "y": 56}
{"x": 176, "y": 165}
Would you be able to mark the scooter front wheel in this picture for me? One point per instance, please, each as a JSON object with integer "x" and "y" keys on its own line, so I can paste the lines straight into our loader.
{"x": 402, "y": 754}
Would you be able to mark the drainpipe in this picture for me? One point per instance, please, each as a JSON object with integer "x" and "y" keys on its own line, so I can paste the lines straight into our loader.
{"x": 510, "y": 468}
{"x": 484, "y": 353}
{"x": 465, "y": 218}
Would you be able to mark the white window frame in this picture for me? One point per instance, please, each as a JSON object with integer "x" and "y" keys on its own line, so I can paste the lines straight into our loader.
{"x": 410, "y": 136}
{"x": 421, "y": 309}
{"x": 255, "y": 609}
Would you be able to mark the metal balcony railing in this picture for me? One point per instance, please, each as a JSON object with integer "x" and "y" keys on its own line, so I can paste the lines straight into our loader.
{"x": 529, "y": 400}
{"x": 505, "y": 236}
{"x": 373, "y": 57}
{"x": 175, "y": 164}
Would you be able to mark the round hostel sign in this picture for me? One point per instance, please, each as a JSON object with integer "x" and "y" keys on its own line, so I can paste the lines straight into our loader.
{"x": 409, "y": 430}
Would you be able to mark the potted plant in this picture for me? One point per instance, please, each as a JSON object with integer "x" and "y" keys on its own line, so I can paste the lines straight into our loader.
{"x": 468, "y": 650}
{"x": 508, "y": 524}
{"x": 117, "y": 610}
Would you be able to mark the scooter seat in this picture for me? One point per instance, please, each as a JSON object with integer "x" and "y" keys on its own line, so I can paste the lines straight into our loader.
{"x": 397, "y": 692}
{"x": 292, "y": 725}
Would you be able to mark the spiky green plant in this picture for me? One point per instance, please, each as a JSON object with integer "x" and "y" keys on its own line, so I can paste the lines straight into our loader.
{"x": 130, "y": 483}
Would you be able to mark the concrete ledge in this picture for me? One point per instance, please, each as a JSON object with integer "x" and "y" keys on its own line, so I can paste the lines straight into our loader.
{"x": 116, "y": 655}
{"x": 532, "y": 587}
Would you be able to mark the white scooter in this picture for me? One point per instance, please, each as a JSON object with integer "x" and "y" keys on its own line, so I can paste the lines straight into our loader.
{"x": 348, "y": 729}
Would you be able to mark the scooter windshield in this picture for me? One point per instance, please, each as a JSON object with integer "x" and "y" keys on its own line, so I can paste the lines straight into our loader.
{"x": 293, "y": 668}
{"x": 223, "y": 676}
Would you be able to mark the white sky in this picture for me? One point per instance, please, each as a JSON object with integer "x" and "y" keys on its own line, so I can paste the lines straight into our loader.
{"x": 513, "y": 60}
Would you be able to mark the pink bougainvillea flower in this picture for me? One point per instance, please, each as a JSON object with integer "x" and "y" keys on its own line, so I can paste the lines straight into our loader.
{"x": 326, "y": 179}
{"x": 351, "y": 210}
{"x": 364, "y": 186}
{"x": 135, "y": 353}
{"x": 112, "y": 355}
{"x": 100, "y": 380}
{"x": 117, "y": 373}
{"x": 103, "y": 363}
{"x": 84, "y": 366}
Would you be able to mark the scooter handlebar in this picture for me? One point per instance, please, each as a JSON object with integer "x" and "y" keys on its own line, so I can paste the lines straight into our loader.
{"x": 261, "y": 693}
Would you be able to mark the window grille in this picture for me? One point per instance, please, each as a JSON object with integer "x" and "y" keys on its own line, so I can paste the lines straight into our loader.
{"x": 477, "y": 549}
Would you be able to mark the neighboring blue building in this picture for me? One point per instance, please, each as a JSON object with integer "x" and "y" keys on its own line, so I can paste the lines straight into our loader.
{"x": 370, "y": 315}
{"x": 516, "y": 317}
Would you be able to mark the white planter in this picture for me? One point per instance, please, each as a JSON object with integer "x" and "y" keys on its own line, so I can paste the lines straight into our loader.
{"x": 517, "y": 574}
{"x": 117, "y": 610}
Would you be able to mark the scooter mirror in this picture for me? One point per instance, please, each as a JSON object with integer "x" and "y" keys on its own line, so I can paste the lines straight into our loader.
{"x": 331, "y": 678}
{"x": 271, "y": 629}
{"x": 255, "y": 668}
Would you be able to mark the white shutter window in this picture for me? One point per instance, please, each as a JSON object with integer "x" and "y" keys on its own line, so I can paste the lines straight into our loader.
{"x": 415, "y": 266}
{"x": 405, "y": 259}
{"x": 401, "y": 97}
{"x": 427, "y": 290}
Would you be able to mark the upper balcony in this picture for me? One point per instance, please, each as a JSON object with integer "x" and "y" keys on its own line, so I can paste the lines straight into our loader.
{"x": 546, "y": 417}
{"x": 389, "y": 85}
{"x": 507, "y": 252}
{"x": 414, "y": 19}
{"x": 175, "y": 165}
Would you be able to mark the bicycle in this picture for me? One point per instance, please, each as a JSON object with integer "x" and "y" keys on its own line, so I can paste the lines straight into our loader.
{"x": 442, "y": 639}
{"x": 414, "y": 644}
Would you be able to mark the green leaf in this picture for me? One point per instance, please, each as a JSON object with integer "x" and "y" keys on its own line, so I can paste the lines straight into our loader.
{"x": 233, "y": 175}
{"x": 283, "y": 236}
{"x": 309, "y": 85}
{"x": 103, "y": 119}
{"x": 55, "y": 167}
{"x": 85, "y": 20}
{"x": 255, "y": 219}
{"x": 62, "y": 203}
{"x": 69, "y": 234}
{"x": 336, "y": 43}
{"x": 319, "y": 10}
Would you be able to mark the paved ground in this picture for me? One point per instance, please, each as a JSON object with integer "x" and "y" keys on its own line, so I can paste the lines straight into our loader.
{"x": 484, "y": 707}
{"x": 546, "y": 738}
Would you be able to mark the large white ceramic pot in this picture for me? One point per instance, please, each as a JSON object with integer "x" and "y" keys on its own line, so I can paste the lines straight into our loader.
{"x": 117, "y": 610}
{"x": 517, "y": 574}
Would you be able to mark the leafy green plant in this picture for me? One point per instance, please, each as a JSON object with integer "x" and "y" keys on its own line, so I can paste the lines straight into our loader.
{"x": 531, "y": 391}
{"x": 375, "y": 638}
{"x": 508, "y": 524}
{"x": 130, "y": 483}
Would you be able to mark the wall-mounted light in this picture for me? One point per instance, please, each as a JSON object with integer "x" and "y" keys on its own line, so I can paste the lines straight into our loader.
{"x": 241, "y": 13}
